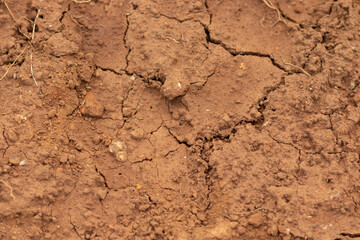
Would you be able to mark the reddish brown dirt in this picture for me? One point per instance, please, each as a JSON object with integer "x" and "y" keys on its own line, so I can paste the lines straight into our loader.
{"x": 178, "y": 119}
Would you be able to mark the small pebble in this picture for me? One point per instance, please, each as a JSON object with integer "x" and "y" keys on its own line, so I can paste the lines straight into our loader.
{"x": 233, "y": 225}
{"x": 71, "y": 158}
{"x": 256, "y": 219}
{"x": 44, "y": 154}
{"x": 63, "y": 159}
{"x": 92, "y": 106}
{"x": 101, "y": 194}
{"x": 11, "y": 135}
{"x": 241, "y": 230}
{"x": 14, "y": 159}
{"x": 118, "y": 148}
{"x": 137, "y": 133}
{"x": 19, "y": 118}
{"x": 22, "y": 163}
{"x": 197, "y": 5}
{"x": 79, "y": 146}
{"x": 273, "y": 230}
{"x": 281, "y": 175}
{"x": 52, "y": 113}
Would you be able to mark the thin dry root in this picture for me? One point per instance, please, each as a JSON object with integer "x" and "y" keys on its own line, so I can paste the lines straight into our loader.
{"x": 73, "y": 18}
{"x": 292, "y": 65}
{"x": 269, "y": 4}
{"x": 7, "y": 7}
{"x": 11, "y": 190}
{"x": 7, "y": 71}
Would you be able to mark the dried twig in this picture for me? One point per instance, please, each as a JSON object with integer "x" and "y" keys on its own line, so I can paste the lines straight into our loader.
{"x": 28, "y": 38}
{"x": 292, "y": 65}
{"x": 11, "y": 14}
{"x": 31, "y": 60}
{"x": 34, "y": 25}
{"x": 12, "y": 64}
{"x": 11, "y": 190}
{"x": 73, "y": 18}
{"x": 272, "y": 6}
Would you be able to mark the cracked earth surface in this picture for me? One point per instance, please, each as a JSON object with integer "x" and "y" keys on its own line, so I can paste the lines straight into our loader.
{"x": 220, "y": 138}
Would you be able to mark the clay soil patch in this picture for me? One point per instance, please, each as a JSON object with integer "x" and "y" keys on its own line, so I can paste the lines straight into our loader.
{"x": 179, "y": 119}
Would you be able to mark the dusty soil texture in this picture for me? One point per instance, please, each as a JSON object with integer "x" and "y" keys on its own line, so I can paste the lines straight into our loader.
{"x": 180, "y": 119}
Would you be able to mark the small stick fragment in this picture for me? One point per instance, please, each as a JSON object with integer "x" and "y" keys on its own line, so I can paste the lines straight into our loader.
{"x": 12, "y": 64}
{"x": 11, "y": 14}
{"x": 11, "y": 190}
{"x": 34, "y": 25}
{"x": 170, "y": 38}
{"x": 32, "y": 73}
{"x": 24, "y": 34}
{"x": 292, "y": 65}
{"x": 271, "y": 5}
{"x": 73, "y": 18}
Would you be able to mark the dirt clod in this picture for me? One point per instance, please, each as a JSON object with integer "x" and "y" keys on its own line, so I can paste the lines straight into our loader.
{"x": 60, "y": 46}
{"x": 196, "y": 119}
{"x": 15, "y": 159}
{"x": 256, "y": 219}
{"x": 52, "y": 113}
{"x": 11, "y": 135}
{"x": 92, "y": 106}
{"x": 137, "y": 133}
{"x": 197, "y": 5}
{"x": 173, "y": 89}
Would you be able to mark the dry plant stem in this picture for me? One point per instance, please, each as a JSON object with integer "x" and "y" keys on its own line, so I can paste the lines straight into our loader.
{"x": 11, "y": 14}
{"x": 32, "y": 73}
{"x": 292, "y": 65}
{"x": 12, "y": 64}
{"x": 31, "y": 60}
{"x": 28, "y": 38}
{"x": 269, "y": 4}
{"x": 11, "y": 190}
{"x": 34, "y": 25}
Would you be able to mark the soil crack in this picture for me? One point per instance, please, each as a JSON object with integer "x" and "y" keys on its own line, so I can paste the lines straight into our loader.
{"x": 235, "y": 52}
{"x": 178, "y": 140}
{"x": 125, "y": 42}
{"x": 8, "y": 145}
{"x": 103, "y": 177}
{"x": 143, "y": 160}
{"x": 74, "y": 227}
{"x": 351, "y": 235}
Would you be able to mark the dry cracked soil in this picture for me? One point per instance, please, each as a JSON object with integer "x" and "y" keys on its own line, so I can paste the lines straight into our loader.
{"x": 180, "y": 119}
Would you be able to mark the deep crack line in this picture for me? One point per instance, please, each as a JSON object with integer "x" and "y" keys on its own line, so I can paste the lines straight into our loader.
{"x": 74, "y": 227}
{"x": 235, "y": 52}
{"x": 103, "y": 177}
{"x": 125, "y": 42}
{"x": 351, "y": 235}
{"x": 6, "y": 141}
